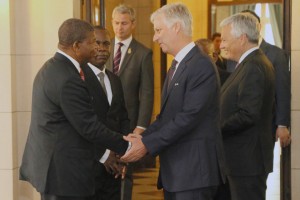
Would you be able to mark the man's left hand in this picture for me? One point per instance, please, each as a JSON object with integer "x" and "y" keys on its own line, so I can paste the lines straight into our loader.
{"x": 283, "y": 134}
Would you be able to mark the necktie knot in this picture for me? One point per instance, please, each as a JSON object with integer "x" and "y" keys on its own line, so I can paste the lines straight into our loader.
{"x": 174, "y": 63}
{"x": 101, "y": 75}
{"x": 120, "y": 44}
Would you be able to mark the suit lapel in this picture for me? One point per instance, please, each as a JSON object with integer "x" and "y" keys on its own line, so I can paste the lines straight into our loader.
{"x": 93, "y": 84}
{"x": 180, "y": 69}
{"x": 238, "y": 70}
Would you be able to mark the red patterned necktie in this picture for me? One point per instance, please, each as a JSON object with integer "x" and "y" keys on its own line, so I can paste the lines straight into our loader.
{"x": 171, "y": 71}
{"x": 117, "y": 59}
{"x": 81, "y": 74}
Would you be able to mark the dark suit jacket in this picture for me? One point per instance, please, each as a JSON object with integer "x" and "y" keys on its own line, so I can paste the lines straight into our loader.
{"x": 114, "y": 116}
{"x": 186, "y": 134}
{"x": 246, "y": 116}
{"x": 59, "y": 153}
{"x": 137, "y": 79}
{"x": 280, "y": 62}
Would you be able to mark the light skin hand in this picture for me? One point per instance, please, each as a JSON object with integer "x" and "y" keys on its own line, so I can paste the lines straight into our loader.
{"x": 138, "y": 130}
{"x": 137, "y": 150}
{"x": 283, "y": 134}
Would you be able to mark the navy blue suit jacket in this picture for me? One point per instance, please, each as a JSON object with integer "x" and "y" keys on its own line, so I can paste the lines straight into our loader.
{"x": 186, "y": 134}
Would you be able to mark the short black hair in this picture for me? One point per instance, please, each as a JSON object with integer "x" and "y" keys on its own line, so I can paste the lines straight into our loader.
{"x": 252, "y": 13}
{"x": 73, "y": 30}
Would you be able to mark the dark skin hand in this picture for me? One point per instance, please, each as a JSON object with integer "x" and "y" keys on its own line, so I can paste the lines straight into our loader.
{"x": 115, "y": 166}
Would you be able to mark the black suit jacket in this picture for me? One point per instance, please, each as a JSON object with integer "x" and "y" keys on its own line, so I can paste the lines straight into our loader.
{"x": 247, "y": 99}
{"x": 114, "y": 116}
{"x": 137, "y": 79}
{"x": 59, "y": 152}
{"x": 280, "y": 62}
{"x": 186, "y": 134}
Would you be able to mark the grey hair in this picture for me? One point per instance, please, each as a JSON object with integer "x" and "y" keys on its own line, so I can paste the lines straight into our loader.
{"x": 125, "y": 9}
{"x": 243, "y": 23}
{"x": 175, "y": 12}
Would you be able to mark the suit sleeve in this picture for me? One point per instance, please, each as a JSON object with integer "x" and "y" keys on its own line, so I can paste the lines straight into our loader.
{"x": 146, "y": 91}
{"x": 250, "y": 97}
{"x": 76, "y": 105}
{"x": 282, "y": 88}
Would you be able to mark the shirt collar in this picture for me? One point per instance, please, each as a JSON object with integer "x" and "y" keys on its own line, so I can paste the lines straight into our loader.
{"x": 76, "y": 64}
{"x": 125, "y": 42}
{"x": 183, "y": 52}
{"x": 247, "y": 53}
{"x": 96, "y": 70}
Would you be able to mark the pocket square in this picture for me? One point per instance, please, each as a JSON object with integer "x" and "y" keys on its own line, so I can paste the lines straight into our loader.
{"x": 176, "y": 84}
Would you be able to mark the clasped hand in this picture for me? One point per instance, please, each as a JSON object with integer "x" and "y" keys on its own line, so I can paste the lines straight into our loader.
{"x": 115, "y": 166}
{"x": 137, "y": 150}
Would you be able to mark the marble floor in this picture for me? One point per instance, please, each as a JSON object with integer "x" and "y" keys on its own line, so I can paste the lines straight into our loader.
{"x": 145, "y": 182}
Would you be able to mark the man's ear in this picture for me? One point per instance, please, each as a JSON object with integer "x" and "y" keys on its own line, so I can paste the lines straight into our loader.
{"x": 177, "y": 27}
{"x": 76, "y": 46}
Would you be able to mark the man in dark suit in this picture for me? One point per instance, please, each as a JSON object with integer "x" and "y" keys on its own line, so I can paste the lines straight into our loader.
{"x": 186, "y": 134}
{"x": 247, "y": 100}
{"x": 280, "y": 62}
{"x": 59, "y": 154}
{"x": 135, "y": 69}
{"x": 109, "y": 106}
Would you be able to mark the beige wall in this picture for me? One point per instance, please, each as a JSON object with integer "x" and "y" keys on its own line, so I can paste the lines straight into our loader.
{"x": 29, "y": 37}
{"x": 295, "y": 67}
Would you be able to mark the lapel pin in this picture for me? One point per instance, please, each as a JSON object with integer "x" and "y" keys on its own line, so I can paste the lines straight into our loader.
{"x": 129, "y": 51}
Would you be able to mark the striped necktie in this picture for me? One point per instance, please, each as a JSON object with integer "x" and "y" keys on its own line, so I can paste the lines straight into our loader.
{"x": 117, "y": 59}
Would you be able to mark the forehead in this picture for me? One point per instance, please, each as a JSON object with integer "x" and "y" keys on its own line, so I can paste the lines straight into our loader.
{"x": 226, "y": 31}
{"x": 121, "y": 17}
{"x": 101, "y": 35}
{"x": 158, "y": 21}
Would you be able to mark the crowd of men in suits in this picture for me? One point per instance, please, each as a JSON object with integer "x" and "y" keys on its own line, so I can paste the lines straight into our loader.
{"x": 92, "y": 105}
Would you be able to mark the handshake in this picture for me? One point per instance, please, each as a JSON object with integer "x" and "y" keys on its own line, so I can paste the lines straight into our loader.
{"x": 117, "y": 165}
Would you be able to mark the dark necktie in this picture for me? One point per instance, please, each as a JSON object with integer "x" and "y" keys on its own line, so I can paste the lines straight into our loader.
{"x": 117, "y": 59}
{"x": 171, "y": 71}
{"x": 101, "y": 77}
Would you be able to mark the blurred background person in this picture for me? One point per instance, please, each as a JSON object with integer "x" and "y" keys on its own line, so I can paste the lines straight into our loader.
{"x": 132, "y": 62}
{"x": 206, "y": 45}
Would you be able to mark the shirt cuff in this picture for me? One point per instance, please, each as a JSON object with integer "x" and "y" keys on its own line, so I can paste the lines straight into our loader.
{"x": 141, "y": 127}
{"x": 105, "y": 156}
{"x": 281, "y": 126}
{"x": 129, "y": 146}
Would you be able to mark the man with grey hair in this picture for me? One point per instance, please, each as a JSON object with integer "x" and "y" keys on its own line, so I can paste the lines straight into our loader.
{"x": 186, "y": 134}
{"x": 132, "y": 62}
{"x": 247, "y": 100}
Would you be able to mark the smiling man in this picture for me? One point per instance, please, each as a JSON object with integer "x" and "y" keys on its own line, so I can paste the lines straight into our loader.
{"x": 247, "y": 100}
